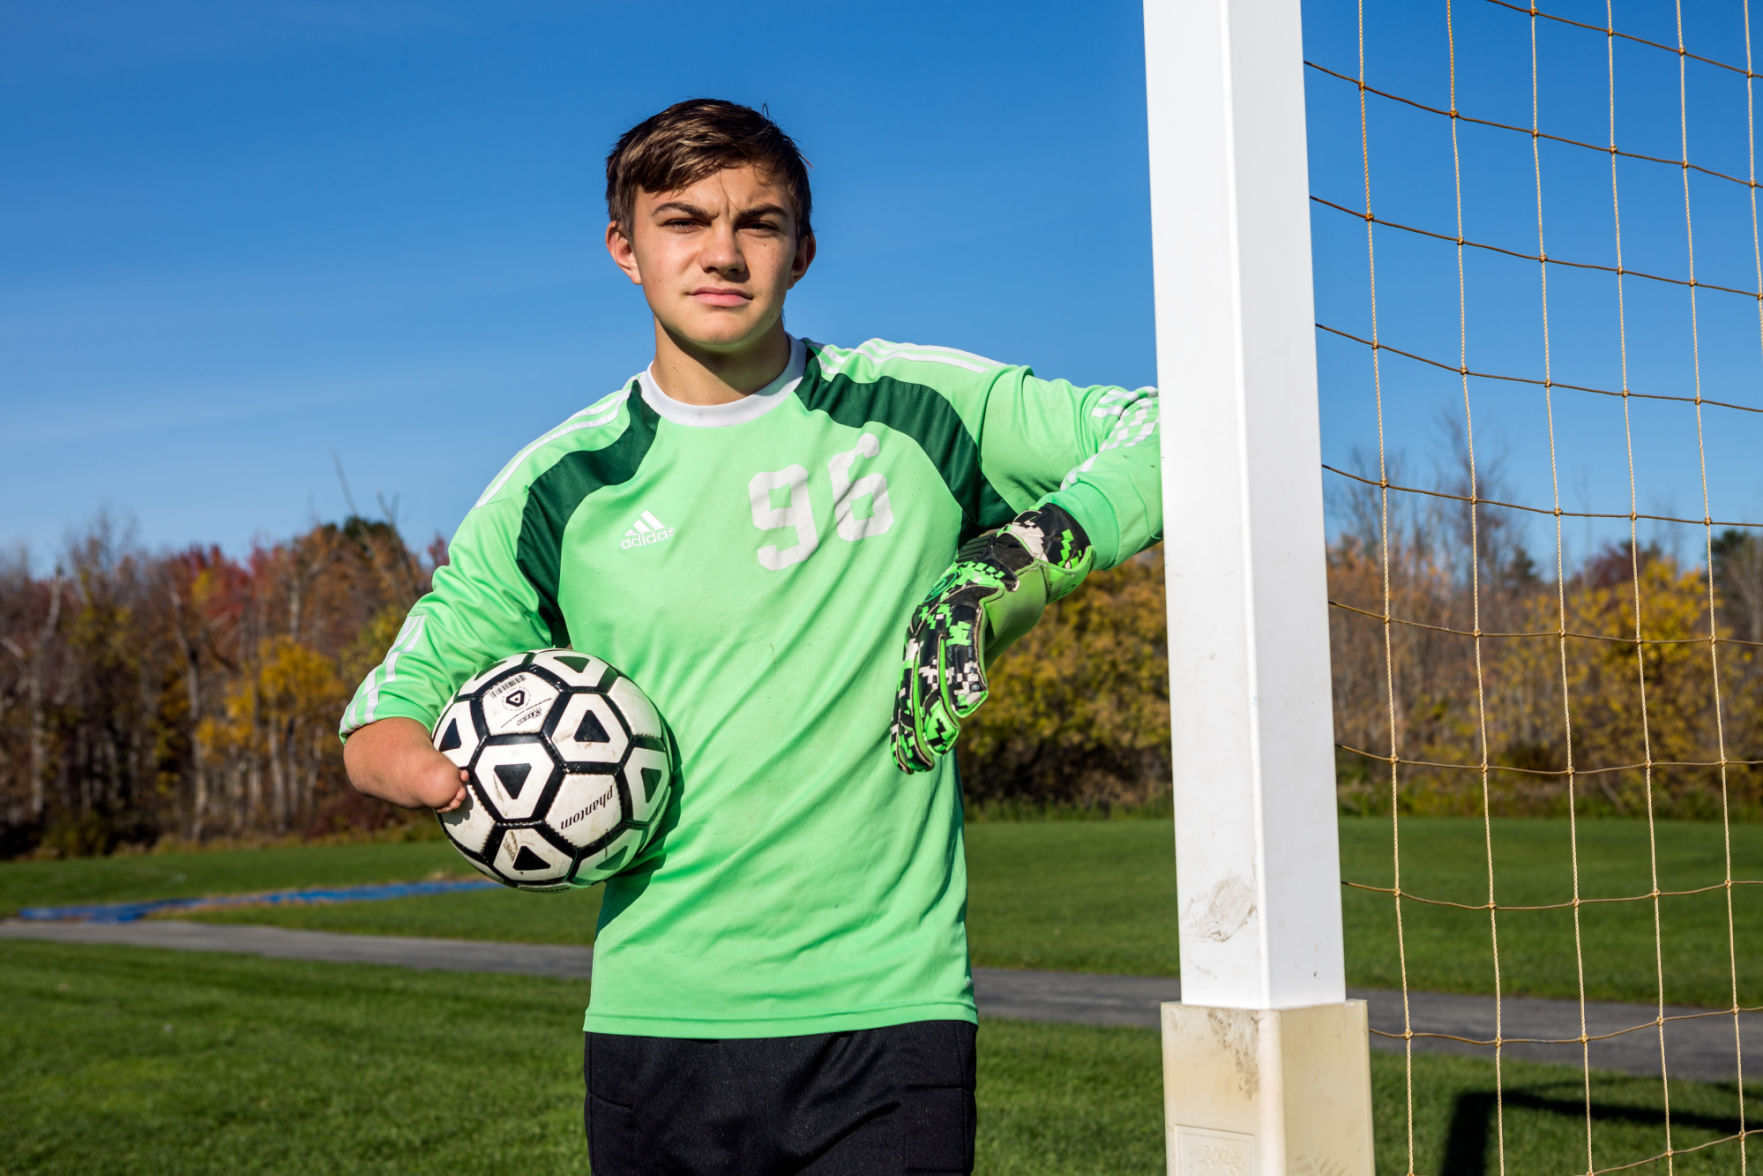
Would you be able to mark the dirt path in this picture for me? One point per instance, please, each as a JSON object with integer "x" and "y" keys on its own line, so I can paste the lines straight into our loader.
{"x": 1701, "y": 1047}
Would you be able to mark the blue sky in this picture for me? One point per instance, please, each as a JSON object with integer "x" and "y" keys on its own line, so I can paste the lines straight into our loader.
{"x": 1414, "y": 181}
{"x": 244, "y": 243}
{"x": 243, "y": 238}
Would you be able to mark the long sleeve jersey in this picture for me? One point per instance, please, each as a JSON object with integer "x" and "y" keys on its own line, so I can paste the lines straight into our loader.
{"x": 753, "y": 566}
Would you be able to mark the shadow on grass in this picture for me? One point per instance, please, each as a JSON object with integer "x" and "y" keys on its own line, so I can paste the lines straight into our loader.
{"x": 1474, "y": 1113}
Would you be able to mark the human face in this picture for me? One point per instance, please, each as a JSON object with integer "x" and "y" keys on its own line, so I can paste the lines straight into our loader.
{"x": 715, "y": 259}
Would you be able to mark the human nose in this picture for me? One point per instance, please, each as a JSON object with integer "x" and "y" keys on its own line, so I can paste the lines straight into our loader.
{"x": 722, "y": 250}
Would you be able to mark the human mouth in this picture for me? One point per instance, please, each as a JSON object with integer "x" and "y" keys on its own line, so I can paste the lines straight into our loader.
{"x": 721, "y": 296}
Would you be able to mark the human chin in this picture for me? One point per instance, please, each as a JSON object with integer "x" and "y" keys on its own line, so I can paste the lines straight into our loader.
{"x": 720, "y": 329}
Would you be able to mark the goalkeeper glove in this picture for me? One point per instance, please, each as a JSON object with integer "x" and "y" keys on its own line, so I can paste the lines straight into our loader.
{"x": 991, "y": 595}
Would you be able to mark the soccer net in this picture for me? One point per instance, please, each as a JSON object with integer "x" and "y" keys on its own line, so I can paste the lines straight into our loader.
{"x": 1539, "y": 292}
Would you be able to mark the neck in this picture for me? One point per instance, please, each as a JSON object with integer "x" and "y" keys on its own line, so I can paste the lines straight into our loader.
{"x": 693, "y": 375}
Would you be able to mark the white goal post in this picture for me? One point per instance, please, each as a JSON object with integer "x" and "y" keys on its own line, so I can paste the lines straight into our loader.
{"x": 1266, "y": 1068}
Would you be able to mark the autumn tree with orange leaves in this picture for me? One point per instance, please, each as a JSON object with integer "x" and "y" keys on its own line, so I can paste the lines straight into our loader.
{"x": 191, "y": 694}
{"x": 194, "y": 695}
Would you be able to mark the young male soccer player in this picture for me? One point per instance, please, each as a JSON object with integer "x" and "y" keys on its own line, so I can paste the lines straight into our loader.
{"x": 832, "y": 540}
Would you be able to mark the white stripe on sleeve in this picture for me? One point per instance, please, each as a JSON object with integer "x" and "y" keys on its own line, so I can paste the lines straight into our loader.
{"x": 407, "y": 639}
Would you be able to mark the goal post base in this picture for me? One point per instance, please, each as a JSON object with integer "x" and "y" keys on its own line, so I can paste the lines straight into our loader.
{"x": 1267, "y": 1092}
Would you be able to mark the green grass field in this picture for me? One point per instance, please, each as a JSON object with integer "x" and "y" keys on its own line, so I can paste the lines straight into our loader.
{"x": 127, "y": 877}
{"x": 142, "y": 1061}
{"x": 1099, "y": 896}
{"x": 1452, "y": 950}
{"x": 145, "y": 1061}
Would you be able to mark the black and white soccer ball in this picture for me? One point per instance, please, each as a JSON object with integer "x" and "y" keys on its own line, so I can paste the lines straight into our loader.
{"x": 570, "y": 769}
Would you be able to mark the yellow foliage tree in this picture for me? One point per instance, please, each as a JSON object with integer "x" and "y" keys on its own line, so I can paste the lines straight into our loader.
{"x": 1079, "y": 712}
{"x": 277, "y": 730}
{"x": 1646, "y": 694}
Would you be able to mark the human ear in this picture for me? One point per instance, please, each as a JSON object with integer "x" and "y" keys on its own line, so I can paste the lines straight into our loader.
{"x": 624, "y": 256}
{"x": 805, "y": 248}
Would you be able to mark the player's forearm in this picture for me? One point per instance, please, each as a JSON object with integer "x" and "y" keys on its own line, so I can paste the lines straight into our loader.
{"x": 1092, "y": 451}
{"x": 394, "y": 760}
{"x": 1116, "y": 492}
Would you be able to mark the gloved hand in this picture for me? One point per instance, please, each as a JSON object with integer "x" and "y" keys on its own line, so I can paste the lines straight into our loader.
{"x": 991, "y": 595}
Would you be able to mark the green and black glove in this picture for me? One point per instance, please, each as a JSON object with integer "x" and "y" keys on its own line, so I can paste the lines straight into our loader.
{"x": 991, "y": 595}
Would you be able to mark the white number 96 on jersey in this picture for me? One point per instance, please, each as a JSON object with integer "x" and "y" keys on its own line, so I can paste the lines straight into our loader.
{"x": 570, "y": 769}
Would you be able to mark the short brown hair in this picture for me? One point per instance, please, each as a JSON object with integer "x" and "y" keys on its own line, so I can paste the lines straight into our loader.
{"x": 693, "y": 139}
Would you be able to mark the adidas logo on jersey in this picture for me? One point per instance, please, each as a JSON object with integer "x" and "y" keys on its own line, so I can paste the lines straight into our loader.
{"x": 648, "y": 529}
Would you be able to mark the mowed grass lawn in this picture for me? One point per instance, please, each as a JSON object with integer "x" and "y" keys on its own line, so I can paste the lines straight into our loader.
{"x": 1099, "y": 896}
{"x": 143, "y": 1061}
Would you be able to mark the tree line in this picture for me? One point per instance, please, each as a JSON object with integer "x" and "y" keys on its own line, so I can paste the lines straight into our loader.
{"x": 1622, "y": 681}
{"x": 190, "y": 695}
{"x": 194, "y": 695}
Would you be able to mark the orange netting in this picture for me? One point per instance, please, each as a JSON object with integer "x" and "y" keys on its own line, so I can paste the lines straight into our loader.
{"x": 1480, "y": 763}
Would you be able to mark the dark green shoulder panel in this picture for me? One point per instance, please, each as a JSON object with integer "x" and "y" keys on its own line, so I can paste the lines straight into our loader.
{"x": 921, "y": 413}
{"x": 556, "y": 494}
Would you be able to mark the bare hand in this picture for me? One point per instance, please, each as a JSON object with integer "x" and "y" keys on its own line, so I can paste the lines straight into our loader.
{"x": 394, "y": 760}
{"x": 459, "y": 795}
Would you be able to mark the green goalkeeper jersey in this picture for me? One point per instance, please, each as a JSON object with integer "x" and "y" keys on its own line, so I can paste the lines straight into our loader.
{"x": 753, "y": 566}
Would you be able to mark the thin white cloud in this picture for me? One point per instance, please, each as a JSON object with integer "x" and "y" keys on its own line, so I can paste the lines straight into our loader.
{"x": 149, "y": 409}
{"x": 271, "y": 298}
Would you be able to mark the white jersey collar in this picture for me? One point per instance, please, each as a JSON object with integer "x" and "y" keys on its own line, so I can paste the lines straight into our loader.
{"x": 748, "y": 408}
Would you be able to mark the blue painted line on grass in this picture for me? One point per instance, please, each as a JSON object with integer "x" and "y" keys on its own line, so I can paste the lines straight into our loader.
{"x": 128, "y": 912}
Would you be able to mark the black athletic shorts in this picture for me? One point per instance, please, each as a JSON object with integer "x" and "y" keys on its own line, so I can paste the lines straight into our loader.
{"x": 870, "y": 1102}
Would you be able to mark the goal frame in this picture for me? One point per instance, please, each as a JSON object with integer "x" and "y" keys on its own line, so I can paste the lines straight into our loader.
{"x": 1266, "y": 1064}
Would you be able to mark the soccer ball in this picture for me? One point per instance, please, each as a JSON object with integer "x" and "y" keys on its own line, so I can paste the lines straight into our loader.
{"x": 570, "y": 768}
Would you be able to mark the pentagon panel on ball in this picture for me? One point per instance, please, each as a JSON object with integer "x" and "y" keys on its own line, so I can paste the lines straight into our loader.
{"x": 570, "y": 767}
